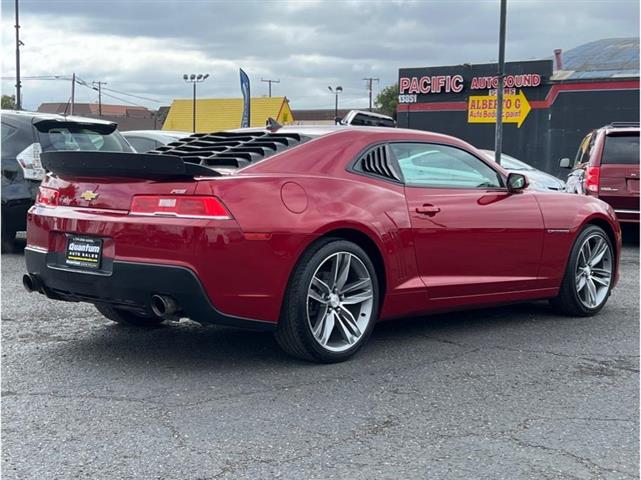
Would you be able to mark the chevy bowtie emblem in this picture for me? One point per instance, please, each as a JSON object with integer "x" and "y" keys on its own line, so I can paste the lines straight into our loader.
{"x": 89, "y": 195}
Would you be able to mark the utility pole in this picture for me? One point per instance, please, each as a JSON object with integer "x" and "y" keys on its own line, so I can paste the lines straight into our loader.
{"x": 73, "y": 91}
{"x": 498, "y": 140}
{"x": 99, "y": 89}
{"x": 18, "y": 44}
{"x": 266, "y": 80}
{"x": 369, "y": 81}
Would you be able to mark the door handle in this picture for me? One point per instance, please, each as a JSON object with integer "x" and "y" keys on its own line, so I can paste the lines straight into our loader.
{"x": 427, "y": 209}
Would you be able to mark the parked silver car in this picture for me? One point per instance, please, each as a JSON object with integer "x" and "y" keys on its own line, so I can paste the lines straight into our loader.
{"x": 146, "y": 140}
{"x": 538, "y": 180}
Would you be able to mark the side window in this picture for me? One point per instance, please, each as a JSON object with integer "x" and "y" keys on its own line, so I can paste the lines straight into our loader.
{"x": 583, "y": 155}
{"x": 440, "y": 166}
{"x": 7, "y": 131}
{"x": 14, "y": 140}
{"x": 141, "y": 144}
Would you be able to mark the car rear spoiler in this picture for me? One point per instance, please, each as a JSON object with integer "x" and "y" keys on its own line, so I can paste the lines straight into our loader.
{"x": 45, "y": 124}
{"x": 120, "y": 164}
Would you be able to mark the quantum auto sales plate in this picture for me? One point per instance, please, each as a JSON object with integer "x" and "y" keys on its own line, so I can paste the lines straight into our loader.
{"x": 84, "y": 252}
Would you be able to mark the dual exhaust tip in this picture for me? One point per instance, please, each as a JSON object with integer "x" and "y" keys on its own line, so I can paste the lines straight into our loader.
{"x": 163, "y": 306}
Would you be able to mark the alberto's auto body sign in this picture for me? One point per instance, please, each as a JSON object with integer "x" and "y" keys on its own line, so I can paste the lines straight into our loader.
{"x": 482, "y": 108}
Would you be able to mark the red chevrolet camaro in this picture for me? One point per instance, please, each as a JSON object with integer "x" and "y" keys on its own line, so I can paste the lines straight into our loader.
{"x": 314, "y": 233}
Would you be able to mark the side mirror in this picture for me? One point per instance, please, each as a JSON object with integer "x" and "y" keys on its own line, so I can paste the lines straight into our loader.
{"x": 565, "y": 163}
{"x": 516, "y": 182}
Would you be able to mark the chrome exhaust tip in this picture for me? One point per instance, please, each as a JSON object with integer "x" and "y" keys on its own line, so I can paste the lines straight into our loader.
{"x": 164, "y": 306}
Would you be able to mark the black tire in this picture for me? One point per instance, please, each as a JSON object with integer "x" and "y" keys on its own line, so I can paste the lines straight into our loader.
{"x": 294, "y": 332}
{"x": 125, "y": 317}
{"x": 8, "y": 239}
{"x": 568, "y": 301}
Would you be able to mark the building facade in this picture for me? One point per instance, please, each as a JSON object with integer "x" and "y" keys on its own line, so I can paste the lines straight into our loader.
{"x": 549, "y": 105}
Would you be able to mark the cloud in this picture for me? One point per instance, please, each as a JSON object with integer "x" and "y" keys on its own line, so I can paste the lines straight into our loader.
{"x": 144, "y": 47}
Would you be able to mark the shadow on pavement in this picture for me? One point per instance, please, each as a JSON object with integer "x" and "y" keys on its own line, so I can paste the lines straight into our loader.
{"x": 187, "y": 346}
{"x": 630, "y": 233}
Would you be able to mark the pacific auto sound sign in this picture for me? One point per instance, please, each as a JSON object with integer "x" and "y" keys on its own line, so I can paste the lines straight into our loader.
{"x": 413, "y": 86}
{"x": 474, "y": 88}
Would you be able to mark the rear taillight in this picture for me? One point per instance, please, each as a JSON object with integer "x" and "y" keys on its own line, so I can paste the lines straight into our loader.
{"x": 592, "y": 175}
{"x": 188, "y": 206}
{"x": 47, "y": 197}
{"x": 29, "y": 160}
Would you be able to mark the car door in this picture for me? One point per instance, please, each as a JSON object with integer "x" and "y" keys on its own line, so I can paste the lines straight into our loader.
{"x": 472, "y": 237}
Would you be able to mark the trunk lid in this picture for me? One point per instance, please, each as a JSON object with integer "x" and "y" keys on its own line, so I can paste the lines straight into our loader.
{"x": 113, "y": 193}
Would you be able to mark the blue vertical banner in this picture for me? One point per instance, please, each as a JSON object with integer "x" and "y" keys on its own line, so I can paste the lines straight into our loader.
{"x": 244, "y": 86}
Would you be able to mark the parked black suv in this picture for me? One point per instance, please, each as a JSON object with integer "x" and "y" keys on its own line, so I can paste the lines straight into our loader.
{"x": 27, "y": 134}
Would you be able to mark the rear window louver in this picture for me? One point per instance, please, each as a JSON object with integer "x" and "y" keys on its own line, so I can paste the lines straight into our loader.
{"x": 230, "y": 149}
{"x": 377, "y": 162}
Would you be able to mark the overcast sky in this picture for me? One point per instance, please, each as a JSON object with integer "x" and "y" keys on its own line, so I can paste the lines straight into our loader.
{"x": 144, "y": 47}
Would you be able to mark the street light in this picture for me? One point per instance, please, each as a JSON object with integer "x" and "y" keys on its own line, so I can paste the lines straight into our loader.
{"x": 335, "y": 91}
{"x": 194, "y": 79}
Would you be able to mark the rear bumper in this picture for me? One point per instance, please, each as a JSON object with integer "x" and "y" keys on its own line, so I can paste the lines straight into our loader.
{"x": 130, "y": 285}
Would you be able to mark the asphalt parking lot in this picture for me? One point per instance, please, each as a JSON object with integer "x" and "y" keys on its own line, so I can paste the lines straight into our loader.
{"x": 507, "y": 393}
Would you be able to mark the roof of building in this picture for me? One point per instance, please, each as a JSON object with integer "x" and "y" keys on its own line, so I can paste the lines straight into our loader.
{"x": 605, "y": 58}
{"x": 216, "y": 114}
{"x": 108, "y": 110}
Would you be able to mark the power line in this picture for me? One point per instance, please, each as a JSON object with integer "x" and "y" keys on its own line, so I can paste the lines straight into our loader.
{"x": 85, "y": 84}
{"x": 132, "y": 95}
{"x": 39, "y": 77}
{"x": 122, "y": 99}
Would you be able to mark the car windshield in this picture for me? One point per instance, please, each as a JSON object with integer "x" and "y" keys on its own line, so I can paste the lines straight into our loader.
{"x": 81, "y": 137}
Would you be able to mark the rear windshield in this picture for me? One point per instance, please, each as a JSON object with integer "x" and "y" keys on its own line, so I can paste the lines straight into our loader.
{"x": 368, "y": 120}
{"x": 621, "y": 150}
{"x": 81, "y": 137}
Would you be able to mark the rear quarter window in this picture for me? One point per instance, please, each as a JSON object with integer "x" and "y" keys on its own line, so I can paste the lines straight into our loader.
{"x": 621, "y": 149}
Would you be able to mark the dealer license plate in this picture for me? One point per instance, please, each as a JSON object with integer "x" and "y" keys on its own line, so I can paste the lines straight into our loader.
{"x": 84, "y": 252}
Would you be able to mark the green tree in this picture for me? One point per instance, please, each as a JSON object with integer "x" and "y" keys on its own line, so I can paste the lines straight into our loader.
{"x": 9, "y": 102}
{"x": 387, "y": 100}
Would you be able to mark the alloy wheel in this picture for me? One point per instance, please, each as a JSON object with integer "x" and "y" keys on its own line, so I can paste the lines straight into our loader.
{"x": 340, "y": 301}
{"x": 593, "y": 273}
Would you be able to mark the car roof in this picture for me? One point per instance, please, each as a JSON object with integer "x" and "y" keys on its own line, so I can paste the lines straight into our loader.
{"x": 621, "y": 127}
{"x": 321, "y": 130}
{"x": 24, "y": 116}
